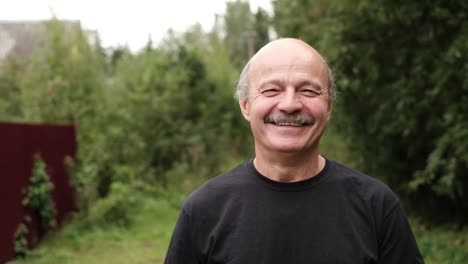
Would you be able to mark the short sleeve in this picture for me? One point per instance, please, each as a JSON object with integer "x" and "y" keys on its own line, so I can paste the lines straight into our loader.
{"x": 397, "y": 243}
{"x": 181, "y": 248}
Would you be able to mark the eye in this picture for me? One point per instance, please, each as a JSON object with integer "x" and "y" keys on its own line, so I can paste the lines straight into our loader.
{"x": 270, "y": 91}
{"x": 309, "y": 91}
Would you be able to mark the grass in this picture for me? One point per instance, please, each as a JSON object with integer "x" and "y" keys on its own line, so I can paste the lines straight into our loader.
{"x": 144, "y": 241}
{"x": 442, "y": 244}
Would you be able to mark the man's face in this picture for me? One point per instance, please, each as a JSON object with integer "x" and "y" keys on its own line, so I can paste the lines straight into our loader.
{"x": 287, "y": 106}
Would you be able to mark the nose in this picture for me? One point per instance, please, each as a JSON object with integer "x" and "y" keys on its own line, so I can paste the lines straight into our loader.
{"x": 290, "y": 102}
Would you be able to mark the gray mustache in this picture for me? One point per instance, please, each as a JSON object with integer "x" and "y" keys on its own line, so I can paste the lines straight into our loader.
{"x": 288, "y": 119}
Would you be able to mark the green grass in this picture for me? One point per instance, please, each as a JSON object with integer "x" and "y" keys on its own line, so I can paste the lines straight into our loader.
{"x": 442, "y": 244}
{"x": 145, "y": 241}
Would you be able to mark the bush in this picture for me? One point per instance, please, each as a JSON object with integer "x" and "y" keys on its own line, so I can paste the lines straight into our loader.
{"x": 38, "y": 196}
{"x": 116, "y": 207}
{"x": 141, "y": 118}
{"x": 403, "y": 83}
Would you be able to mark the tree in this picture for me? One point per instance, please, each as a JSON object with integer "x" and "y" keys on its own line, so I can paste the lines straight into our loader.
{"x": 261, "y": 28}
{"x": 402, "y": 72}
{"x": 314, "y": 21}
{"x": 404, "y": 67}
{"x": 238, "y": 23}
{"x": 10, "y": 100}
{"x": 66, "y": 74}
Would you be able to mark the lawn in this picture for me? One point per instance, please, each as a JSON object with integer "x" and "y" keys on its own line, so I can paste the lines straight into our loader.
{"x": 443, "y": 244}
{"x": 144, "y": 241}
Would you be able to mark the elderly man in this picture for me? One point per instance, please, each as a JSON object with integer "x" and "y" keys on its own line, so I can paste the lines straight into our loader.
{"x": 290, "y": 204}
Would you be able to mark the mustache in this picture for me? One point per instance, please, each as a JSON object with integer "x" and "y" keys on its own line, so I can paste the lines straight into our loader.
{"x": 285, "y": 119}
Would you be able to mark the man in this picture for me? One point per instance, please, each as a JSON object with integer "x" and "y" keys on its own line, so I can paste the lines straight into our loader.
{"x": 290, "y": 204}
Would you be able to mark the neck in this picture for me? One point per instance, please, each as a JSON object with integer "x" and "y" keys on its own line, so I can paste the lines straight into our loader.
{"x": 289, "y": 167}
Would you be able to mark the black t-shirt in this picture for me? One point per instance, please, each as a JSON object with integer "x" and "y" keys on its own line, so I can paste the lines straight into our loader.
{"x": 337, "y": 216}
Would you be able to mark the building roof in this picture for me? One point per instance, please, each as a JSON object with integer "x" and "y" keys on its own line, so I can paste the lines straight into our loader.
{"x": 19, "y": 39}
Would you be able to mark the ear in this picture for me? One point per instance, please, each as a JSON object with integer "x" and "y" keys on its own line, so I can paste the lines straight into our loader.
{"x": 329, "y": 111}
{"x": 245, "y": 108}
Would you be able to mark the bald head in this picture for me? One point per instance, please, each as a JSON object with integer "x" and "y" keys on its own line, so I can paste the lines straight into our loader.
{"x": 289, "y": 52}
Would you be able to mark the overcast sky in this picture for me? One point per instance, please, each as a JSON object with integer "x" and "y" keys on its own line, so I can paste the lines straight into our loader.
{"x": 123, "y": 22}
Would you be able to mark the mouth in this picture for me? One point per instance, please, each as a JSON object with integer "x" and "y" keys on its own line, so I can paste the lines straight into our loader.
{"x": 290, "y": 120}
{"x": 289, "y": 124}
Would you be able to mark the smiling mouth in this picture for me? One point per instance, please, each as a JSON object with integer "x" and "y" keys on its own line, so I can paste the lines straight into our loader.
{"x": 290, "y": 120}
{"x": 289, "y": 124}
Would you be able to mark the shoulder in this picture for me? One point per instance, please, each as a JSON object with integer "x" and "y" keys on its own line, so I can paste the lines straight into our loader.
{"x": 367, "y": 195}
{"x": 226, "y": 181}
{"x": 368, "y": 188}
{"x": 218, "y": 190}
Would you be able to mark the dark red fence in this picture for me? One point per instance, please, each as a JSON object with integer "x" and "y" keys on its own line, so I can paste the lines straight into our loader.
{"x": 18, "y": 145}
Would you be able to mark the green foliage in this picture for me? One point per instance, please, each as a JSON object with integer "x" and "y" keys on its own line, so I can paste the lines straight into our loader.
{"x": 64, "y": 74}
{"x": 64, "y": 83}
{"x": 443, "y": 244}
{"x": 20, "y": 241}
{"x": 144, "y": 241}
{"x": 38, "y": 196}
{"x": 10, "y": 107}
{"x": 114, "y": 208}
{"x": 157, "y": 123}
{"x": 223, "y": 75}
{"x": 314, "y": 21}
{"x": 405, "y": 67}
{"x": 261, "y": 26}
{"x": 238, "y": 23}
{"x": 402, "y": 77}
{"x": 154, "y": 111}
{"x": 146, "y": 123}
{"x": 181, "y": 114}
{"x": 244, "y": 32}
{"x": 38, "y": 200}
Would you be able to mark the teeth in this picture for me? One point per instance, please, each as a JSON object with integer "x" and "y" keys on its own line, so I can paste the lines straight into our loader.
{"x": 289, "y": 124}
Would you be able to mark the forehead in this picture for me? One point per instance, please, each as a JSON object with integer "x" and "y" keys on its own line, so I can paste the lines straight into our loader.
{"x": 289, "y": 72}
{"x": 303, "y": 68}
{"x": 287, "y": 57}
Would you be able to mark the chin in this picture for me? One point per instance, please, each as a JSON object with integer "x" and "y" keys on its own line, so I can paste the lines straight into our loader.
{"x": 289, "y": 148}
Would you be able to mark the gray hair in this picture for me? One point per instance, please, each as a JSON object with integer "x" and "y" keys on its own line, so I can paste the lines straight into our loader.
{"x": 242, "y": 90}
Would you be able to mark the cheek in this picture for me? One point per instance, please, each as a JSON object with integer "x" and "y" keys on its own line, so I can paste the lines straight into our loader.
{"x": 262, "y": 108}
{"x": 319, "y": 109}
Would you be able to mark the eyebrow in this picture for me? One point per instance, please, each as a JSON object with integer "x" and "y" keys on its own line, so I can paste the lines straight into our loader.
{"x": 282, "y": 83}
{"x": 267, "y": 82}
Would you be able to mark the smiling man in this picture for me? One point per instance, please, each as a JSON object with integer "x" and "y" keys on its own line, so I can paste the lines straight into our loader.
{"x": 289, "y": 204}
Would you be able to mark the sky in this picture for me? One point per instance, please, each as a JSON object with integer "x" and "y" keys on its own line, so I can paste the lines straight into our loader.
{"x": 124, "y": 22}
